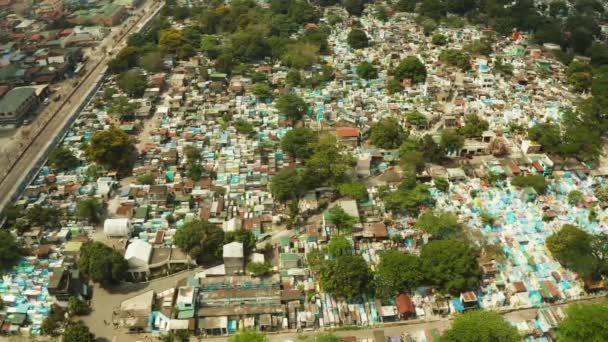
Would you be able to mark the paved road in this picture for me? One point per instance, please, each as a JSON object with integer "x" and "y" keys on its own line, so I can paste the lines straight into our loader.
{"x": 28, "y": 155}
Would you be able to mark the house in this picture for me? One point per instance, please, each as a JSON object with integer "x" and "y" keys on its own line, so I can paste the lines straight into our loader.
{"x": 234, "y": 258}
{"x": 405, "y": 306}
{"x": 138, "y": 255}
{"x": 134, "y": 313}
{"x": 289, "y": 260}
{"x": 348, "y": 135}
{"x": 59, "y": 283}
{"x": 50, "y": 6}
{"x": 117, "y": 228}
{"x": 16, "y": 104}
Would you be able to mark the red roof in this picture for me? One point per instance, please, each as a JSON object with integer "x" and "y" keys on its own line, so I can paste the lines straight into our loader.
{"x": 66, "y": 32}
{"x": 405, "y": 304}
{"x": 347, "y": 132}
{"x": 264, "y": 68}
{"x": 537, "y": 165}
{"x": 514, "y": 168}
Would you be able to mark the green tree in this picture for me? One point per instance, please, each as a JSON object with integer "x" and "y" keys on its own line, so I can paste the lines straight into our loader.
{"x": 193, "y": 154}
{"x": 151, "y": 61}
{"x": 38, "y": 215}
{"x": 133, "y": 82}
{"x": 474, "y": 127}
{"x": 102, "y": 264}
{"x": 201, "y": 239}
{"x": 10, "y": 250}
{"x": 339, "y": 246}
{"x": 442, "y": 184}
{"x": 259, "y": 269}
{"x": 146, "y": 179}
{"x": 121, "y": 108}
{"x": 53, "y": 323}
{"x": 575, "y": 197}
{"x": 394, "y": 86}
{"x": 113, "y": 148}
{"x": 346, "y": 277}
{"x": 89, "y": 209}
{"x": 578, "y": 250}
{"x": 407, "y": 198}
{"x": 584, "y": 322}
{"x": 177, "y": 336}
{"x": 298, "y": 142}
{"x": 243, "y": 236}
{"x": 248, "y": 336}
{"x": 537, "y": 182}
{"x": 286, "y": 185}
{"x": 329, "y": 163}
{"x": 354, "y": 7}
{"x": 481, "y": 326}
{"x": 293, "y": 78}
{"x": 77, "y": 332}
{"x": 439, "y": 39}
{"x": 457, "y": 58}
{"x": 397, "y": 272}
{"x": 300, "y": 55}
{"x": 186, "y": 51}
{"x": 293, "y": 106}
{"x": 342, "y": 220}
{"x": 354, "y": 190}
{"x": 63, "y": 159}
{"x": 211, "y": 46}
{"x": 411, "y": 68}
{"x": 367, "y": 71}
{"x": 440, "y": 224}
{"x": 357, "y": 39}
{"x": 388, "y": 134}
{"x": 261, "y": 90}
{"x": 451, "y": 140}
{"x": 451, "y": 266}
{"x": 171, "y": 40}
{"x": 77, "y": 307}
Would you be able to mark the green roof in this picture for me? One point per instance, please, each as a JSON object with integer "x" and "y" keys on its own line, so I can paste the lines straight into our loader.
{"x": 289, "y": 257}
{"x": 15, "y": 98}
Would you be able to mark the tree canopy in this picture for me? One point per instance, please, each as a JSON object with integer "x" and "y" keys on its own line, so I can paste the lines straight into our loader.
{"x": 10, "y": 250}
{"x": 339, "y": 246}
{"x": 286, "y": 185}
{"x": 410, "y": 68}
{"x": 77, "y": 332}
{"x": 357, "y": 39}
{"x": 346, "y": 277}
{"x": 113, "y": 148}
{"x": 102, "y": 264}
{"x": 580, "y": 251}
{"x": 440, "y": 224}
{"x": 298, "y": 142}
{"x": 474, "y": 127}
{"x": 388, "y": 134}
{"x": 248, "y": 335}
{"x": 367, "y": 71}
{"x": 89, "y": 209}
{"x": 354, "y": 190}
{"x": 481, "y": 326}
{"x": 201, "y": 239}
{"x": 397, "y": 271}
{"x": 63, "y": 159}
{"x": 292, "y": 106}
{"x": 342, "y": 220}
{"x": 537, "y": 182}
{"x": 133, "y": 82}
{"x": 451, "y": 266}
{"x": 584, "y": 322}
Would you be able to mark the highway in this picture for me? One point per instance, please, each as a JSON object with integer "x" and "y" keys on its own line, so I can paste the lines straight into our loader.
{"x": 52, "y": 119}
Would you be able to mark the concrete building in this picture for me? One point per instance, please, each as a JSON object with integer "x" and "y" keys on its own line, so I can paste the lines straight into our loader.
{"x": 234, "y": 259}
{"x": 108, "y": 15}
{"x": 15, "y": 105}
{"x": 47, "y": 6}
{"x": 138, "y": 256}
